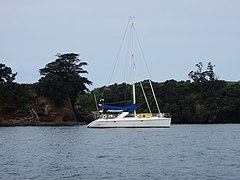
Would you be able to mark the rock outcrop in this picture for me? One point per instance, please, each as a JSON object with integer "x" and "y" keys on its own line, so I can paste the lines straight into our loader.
{"x": 39, "y": 113}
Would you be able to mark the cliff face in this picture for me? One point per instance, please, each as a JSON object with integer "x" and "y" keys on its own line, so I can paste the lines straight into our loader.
{"x": 38, "y": 112}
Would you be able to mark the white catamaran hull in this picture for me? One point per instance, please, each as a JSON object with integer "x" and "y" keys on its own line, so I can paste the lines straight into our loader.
{"x": 131, "y": 122}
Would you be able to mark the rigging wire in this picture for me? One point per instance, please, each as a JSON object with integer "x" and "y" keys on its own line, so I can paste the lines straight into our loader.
{"x": 130, "y": 38}
{"x": 120, "y": 102}
{"x": 145, "y": 97}
{"x": 116, "y": 60}
{"x": 95, "y": 99}
{"x": 154, "y": 96}
{"x": 150, "y": 98}
{"x": 150, "y": 104}
{"x": 126, "y": 73}
{"x": 144, "y": 59}
{"x": 145, "y": 62}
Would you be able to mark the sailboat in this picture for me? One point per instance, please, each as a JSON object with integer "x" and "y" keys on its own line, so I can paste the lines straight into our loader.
{"x": 127, "y": 117}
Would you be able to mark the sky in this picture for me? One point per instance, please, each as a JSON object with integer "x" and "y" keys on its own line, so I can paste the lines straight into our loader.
{"x": 174, "y": 34}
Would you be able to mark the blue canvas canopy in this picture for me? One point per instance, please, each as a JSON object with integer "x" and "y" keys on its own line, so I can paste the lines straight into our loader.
{"x": 128, "y": 108}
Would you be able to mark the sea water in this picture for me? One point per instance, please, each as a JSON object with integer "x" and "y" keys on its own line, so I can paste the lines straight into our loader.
{"x": 180, "y": 152}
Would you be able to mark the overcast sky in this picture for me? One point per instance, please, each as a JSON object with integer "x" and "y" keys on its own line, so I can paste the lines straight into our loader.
{"x": 174, "y": 35}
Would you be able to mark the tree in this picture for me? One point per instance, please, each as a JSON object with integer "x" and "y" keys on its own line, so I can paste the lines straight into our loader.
{"x": 211, "y": 75}
{"x": 14, "y": 96}
{"x": 202, "y": 76}
{"x": 6, "y": 74}
{"x": 62, "y": 78}
{"x": 208, "y": 102}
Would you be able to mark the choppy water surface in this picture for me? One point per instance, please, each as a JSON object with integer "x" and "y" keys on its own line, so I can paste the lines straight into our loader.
{"x": 181, "y": 152}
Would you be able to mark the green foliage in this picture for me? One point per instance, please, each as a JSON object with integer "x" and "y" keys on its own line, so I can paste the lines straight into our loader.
{"x": 202, "y": 76}
{"x": 13, "y": 96}
{"x": 62, "y": 79}
{"x": 6, "y": 74}
{"x": 205, "y": 102}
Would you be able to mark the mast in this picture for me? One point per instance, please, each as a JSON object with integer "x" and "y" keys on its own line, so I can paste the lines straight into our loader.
{"x": 133, "y": 66}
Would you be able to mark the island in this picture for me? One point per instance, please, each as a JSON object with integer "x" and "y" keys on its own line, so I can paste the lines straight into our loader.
{"x": 61, "y": 96}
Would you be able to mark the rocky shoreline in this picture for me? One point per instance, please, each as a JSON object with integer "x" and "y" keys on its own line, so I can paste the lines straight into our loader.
{"x": 12, "y": 124}
{"x": 48, "y": 115}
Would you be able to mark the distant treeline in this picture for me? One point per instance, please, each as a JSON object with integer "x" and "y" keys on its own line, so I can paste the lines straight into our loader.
{"x": 188, "y": 102}
{"x": 204, "y": 99}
